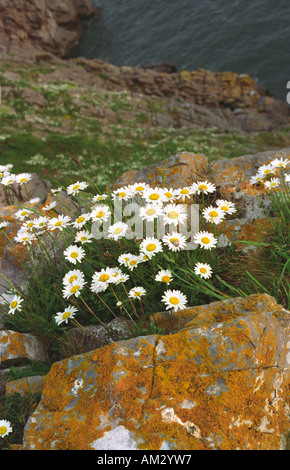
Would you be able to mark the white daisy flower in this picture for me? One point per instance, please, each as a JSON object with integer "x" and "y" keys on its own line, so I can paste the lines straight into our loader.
{"x": 40, "y": 222}
{"x": 185, "y": 193}
{"x": 136, "y": 292}
{"x": 203, "y": 270}
{"x": 120, "y": 278}
{"x": 74, "y": 275}
{"x": 9, "y": 179}
{"x": 67, "y": 314}
{"x": 73, "y": 288}
{"x": 117, "y": 230}
{"x": 56, "y": 190}
{"x": 5, "y": 427}
{"x": 49, "y": 206}
{"x": 84, "y": 236}
{"x": 226, "y": 206}
{"x": 170, "y": 195}
{"x": 175, "y": 241}
{"x": 150, "y": 211}
{"x": 272, "y": 183}
{"x": 205, "y": 239}
{"x": 150, "y": 246}
{"x": 129, "y": 260}
{"x": 59, "y": 222}
{"x": 213, "y": 214}
{"x": 4, "y": 224}
{"x": 100, "y": 213}
{"x": 74, "y": 254}
{"x": 34, "y": 200}
{"x": 164, "y": 275}
{"x": 24, "y": 237}
{"x": 138, "y": 188}
{"x": 203, "y": 187}
{"x": 23, "y": 178}
{"x": 3, "y": 174}
{"x": 99, "y": 197}
{"x": 101, "y": 279}
{"x": 265, "y": 170}
{"x": 28, "y": 225}
{"x": 15, "y": 304}
{"x": 174, "y": 299}
{"x": 256, "y": 179}
{"x": 23, "y": 213}
{"x": 81, "y": 220}
{"x": 76, "y": 187}
{"x": 154, "y": 195}
{"x": 174, "y": 214}
{"x": 123, "y": 193}
{"x": 280, "y": 163}
{"x": 287, "y": 178}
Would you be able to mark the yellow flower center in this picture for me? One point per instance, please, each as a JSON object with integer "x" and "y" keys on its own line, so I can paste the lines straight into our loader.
{"x": 14, "y": 304}
{"x": 267, "y": 171}
{"x": 24, "y": 239}
{"x": 23, "y": 213}
{"x": 118, "y": 230}
{"x": 132, "y": 262}
{"x": 137, "y": 293}
{"x": 203, "y": 270}
{"x": 76, "y": 186}
{"x": 151, "y": 247}
{"x": 140, "y": 188}
{"x": 224, "y": 208}
{"x": 83, "y": 239}
{"x": 23, "y": 180}
{"x": 172, "y": 215}
{"x": 168, "y": 195}
{"x": 74, "y": 254}
{"x": 100, "y": 214}
{"x": 213, "y": 213}
{"x": 202, "y": 186}
{"x": 104, "y": 277}
{"x": 154, "y": 196}
{"x": 174, "y": 300}
{"x": 205, "y": 240}
{"x": 122, "y": 194}
{"x": 165, "y": 278}
{"x": 150, "y": 211}
{"x": 3, "y": 430}
{"x": 74, "y": 289}
{"x": 184, "y": 191}
{"x": 80, "y": 219}
{"x": 30, "y": 225}
{"x": 66, "y": 315}
{"x": 58, "y": 224}
{"x": 72, "y": 278}
{"x": 174, "y": 241}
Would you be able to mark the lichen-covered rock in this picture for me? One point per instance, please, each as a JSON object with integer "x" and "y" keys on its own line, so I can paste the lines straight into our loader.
{"x": 19, "y": 347}
{"x": 222, "y": 382}
{"x": 25, "y": 386}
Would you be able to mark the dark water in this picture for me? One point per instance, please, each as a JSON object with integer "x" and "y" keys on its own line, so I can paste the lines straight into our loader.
{"x": 242, "y": 36}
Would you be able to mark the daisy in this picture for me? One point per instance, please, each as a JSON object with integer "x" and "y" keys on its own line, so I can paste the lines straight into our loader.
{"x": 282, "y": 163}
{"x": 226, "y": 206}
{"x": 23, "y": 213}
{"x": 100, "y": 213}
{"x": 76, "y": 187}
{"x": 174, "y": 214}
{"x": 175, "y": 241}
{"x": 164, "y": 275}
{"x": 59, "y": 222}
{"x": 73, "y": 288}
{"x": 205, "y": 239}
{"x": 169, "y": 194}
{"x": 287, "y": 178}
{"x": 15, "y": 304}
{"x": 74, "y": 275}
{"x": 265, "y": 170}
{"x": 64, "y": 316}
{"x": 40, "y": 222}
{"x": 7, "y": 180}
{"x": 4, "y": 224}
{"x": 29, "y": 225}
{"x": 120, "y": 278}
{"x": 74, "y": 253}
{"x": 122, "y": 193}
{"x": 150, "y": 211}
{"x": 256, "y": 179}
{"x": 5, "y": 427}
{"x": 139, "y": 188}
{"x": 56, "y": 190}
{"x": 203, "y": 270}
{"x": 124, "y": 258}
{"x": 129, "y": 260}
{"x": 101, "y": 280}
{"x": 34, "y": 200}
{"x": 24, "y": 237}
{"x": 150, "y": 246}
{"x": 273, "y": 183}
{"x": 23, "y": 178}
{"x": 174, "y": 299}
{"x": 83, "y": 237}
{"x": 117, "y": 230}
{"x": 203, "y": 187}
{"x": 81, "y": 220}
{"x": 185, "y": 193}
{"x": 99, "y": 197}
{"x": 49, "y": 206}
{"x": 136, "y": 292}
{"x": 154, "y": 195}
{"x": 213, "y": 214}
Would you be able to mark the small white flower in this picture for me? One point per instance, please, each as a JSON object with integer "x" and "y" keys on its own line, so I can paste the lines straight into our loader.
{"x": 56, "y": 190}
{"x": 23, "y": 213}
{"x": 213, "y": 214}
{"x": 15, "y": 304}
{"x": 174, "y": 299}
{"x": 73, "y": 288}
{"x": 81, "y": 220}
{"x": 49, "y": 206}
{"x": 280, "y": 163}
{"x": 136, "y": 292}
{"x": 154, "y": 195}
{"x": 100, "y": 213}
{"x": 59, "y": 222}
{"x": 129, "y": 260}
{"x": 123, "y": 193}
{"x": 99, "y": 197}
{"x": 4, "y": 224}
{"x": 170, "y": 195}
{"x": 272, "y": 183}
{"x": 74, "y": 275}
{"x": 265, "y": 170}
{"x": 185, "y": 193}
{"x": 174, "y": 214}
{"x": 150, "y": 211}
{"x": 203, "y": 187}
{"x": 138, "y": 188}
{"x": 22, "y": 178}
{"x": 74, "y": 253}
{"x": 67, "y": 314}
{"x": 101, "y": 279}
{"x": 203, "y": 270}
{"x": 175, "y": 241}
{"x": 164, "y": 275}
{"x": 287, "y": 178}
{"x": 150, "y": 246}
{"x": 256, "y": 179}
{"x": 40, "y": 222}
{"x": 76, "y": 187}
{"x": 117, "y": 230}
{"x": 34, "y": 200}
{"x": 226, "y": 206}
{"x": 84, "y": 236}
{"x": 205, "y": 239}
{"x": 25, "y": 237}
{"x": 5, "y": 427}
{"x": 7, "y": 180}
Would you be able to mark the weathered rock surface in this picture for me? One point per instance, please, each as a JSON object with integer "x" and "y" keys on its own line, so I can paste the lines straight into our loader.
{"x": 221, "y": 382}
{"x": 47, "y": 25}
{"x": 18, "y": 347}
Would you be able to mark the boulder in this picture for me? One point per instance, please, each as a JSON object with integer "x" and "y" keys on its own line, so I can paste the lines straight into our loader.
{"x": 221, "y": 382}
{"x": 25, "y": 386}
{"x": 18, "y": 347}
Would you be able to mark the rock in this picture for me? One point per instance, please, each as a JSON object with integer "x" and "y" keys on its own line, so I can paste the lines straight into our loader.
{"x": 221, "y": 382}
{"x": 18, "y": 347}
{"x": 26, "y": 386}
{"x": 161, "y": 67}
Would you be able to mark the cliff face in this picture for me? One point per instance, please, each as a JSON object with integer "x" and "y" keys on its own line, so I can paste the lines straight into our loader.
{"x": 50, "y": 25}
